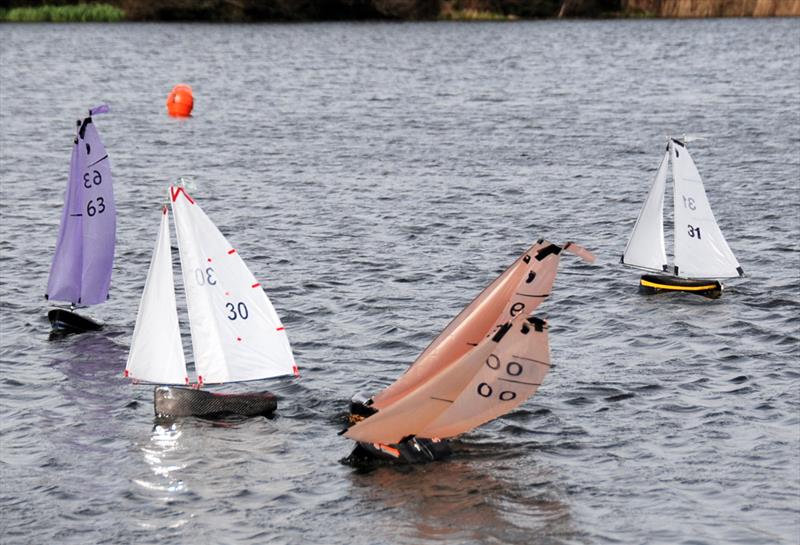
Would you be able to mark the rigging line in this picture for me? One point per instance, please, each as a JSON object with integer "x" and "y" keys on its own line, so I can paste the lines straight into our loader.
{"x": 534, "y": 295}
{"x": 101, "y": 159}
{"x": 520, "y": 382}
{"x": 531, "y": 359}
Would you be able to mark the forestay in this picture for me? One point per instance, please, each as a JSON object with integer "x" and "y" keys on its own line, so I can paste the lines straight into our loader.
{"x": 236, "y": 334}
{"x": 156, "y": 353}
{"x": 700, "y": 249}
{"x": 645, "y": 249}
{"x": 84, "y": 256}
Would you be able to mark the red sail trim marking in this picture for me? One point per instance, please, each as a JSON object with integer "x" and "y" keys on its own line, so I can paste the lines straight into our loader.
{"x": 232, "y": 251}
{"x": 255, "y": 285}
{"x": 175, "y": 191}
{"x": 280, "y": 328}
{"x": 295, "y": 370}
{"x": 238, "y": 339}
{"x": 209, "y": 260}
{"x": 125, "y": 374}
{"x": 164, "y": 210}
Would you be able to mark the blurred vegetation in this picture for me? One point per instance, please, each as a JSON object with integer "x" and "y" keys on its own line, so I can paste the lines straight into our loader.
{"x": 78, "y": 13}
{"x": 314, "y": 10}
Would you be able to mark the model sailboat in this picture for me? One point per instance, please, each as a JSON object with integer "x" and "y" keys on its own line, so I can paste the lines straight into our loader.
{"x": 236, "y": 333}
{"x": 701, "y": 254}
{"x": 81, "y": 270}
{"x": 487, "y": 361}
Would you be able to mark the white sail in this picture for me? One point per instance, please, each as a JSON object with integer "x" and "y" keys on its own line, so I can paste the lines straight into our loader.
{"x": 700, "y": 248}
{"x": 645, "y": 249}
{"x": 156, "y": 353}
{"x": 236, "y": 334}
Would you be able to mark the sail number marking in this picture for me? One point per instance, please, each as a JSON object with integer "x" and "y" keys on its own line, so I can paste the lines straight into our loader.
{"x": 513, "y": 369}
{"x": 97, "y": 179}
{"x": 237, "y": 311}
{"x": 516, "y": 308}
{"x": 92, "y": 210}
{"x": 694, "y": 232}
{"x": 204, "y": 277}
{"x": 688, "y": 202}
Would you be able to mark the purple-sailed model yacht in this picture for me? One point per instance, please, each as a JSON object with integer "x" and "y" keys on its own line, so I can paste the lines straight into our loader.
{"x": 81, "y": 271}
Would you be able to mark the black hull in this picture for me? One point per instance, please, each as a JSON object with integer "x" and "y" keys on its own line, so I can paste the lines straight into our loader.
{"x": 411, "y": 450}
{"x": 65, "y": 321}
{"x": 651, "y": 284}
{"x": 170, "y": 401}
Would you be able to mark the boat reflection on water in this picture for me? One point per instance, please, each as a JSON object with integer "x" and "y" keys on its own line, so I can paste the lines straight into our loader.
{"x": 461, "y": 501}
{"x": 160, "y": 455}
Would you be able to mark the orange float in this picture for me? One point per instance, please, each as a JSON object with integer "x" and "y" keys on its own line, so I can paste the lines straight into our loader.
{"x": 180, "y": 101}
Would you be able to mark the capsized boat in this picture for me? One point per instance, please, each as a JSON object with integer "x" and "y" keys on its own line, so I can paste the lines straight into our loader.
{"x": 490, "y": 359}
{"x": 701, "y": 255}
{"x": 80, "y": 273}
{"x": 236, "y": 334}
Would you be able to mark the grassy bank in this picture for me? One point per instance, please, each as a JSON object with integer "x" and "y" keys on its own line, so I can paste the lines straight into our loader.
{"x": 474, "y": 15}
{"x": 78, "y": 13}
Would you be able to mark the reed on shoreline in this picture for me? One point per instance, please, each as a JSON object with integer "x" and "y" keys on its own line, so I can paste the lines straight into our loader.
{"x": 77, "y": 13}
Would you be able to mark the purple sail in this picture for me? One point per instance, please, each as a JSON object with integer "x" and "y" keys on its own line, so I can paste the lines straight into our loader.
{"x": 84, "y": 257}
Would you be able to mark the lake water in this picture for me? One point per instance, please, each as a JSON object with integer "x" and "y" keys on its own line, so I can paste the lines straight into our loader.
{"x": 375, "y": 177}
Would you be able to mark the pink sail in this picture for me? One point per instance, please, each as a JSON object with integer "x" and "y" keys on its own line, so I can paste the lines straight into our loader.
{"x": 493, "y": 306}
{"x": 456, "y": 384}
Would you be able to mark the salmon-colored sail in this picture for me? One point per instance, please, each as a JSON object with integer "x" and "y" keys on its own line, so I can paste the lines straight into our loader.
{"x": 493, "y": 306}
{"x": 412, "y": 413}
{"x": 489, "y": 360}
{"x": 510, "y": 376}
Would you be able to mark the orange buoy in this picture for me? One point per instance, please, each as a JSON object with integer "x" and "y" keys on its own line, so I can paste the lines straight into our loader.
{"x": 180, "y": 101}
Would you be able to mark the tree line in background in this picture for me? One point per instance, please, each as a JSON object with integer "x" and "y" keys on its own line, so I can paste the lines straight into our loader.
{"x": 296, "y": 10}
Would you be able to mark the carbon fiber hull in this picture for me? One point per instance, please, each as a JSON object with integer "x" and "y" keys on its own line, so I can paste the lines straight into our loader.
{"x": 170, "y": 401}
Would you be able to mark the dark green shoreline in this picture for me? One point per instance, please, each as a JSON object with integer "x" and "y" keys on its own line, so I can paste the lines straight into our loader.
{"x": 248, "y": 11}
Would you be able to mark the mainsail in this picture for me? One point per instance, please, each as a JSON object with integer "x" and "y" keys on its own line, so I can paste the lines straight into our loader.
{"x": 236, "y": 333}
{"x": 700, "y": 249}
{"x": 84, "y": 256}
{"x": 156, "y": 353}
{"x": 516, "y": 290}
{"x": 472, "y": 383}
{"x": 645, "y": 249}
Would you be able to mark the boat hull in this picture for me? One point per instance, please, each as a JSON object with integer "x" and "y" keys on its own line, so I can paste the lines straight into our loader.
{"x": 411, "y": 450}
{"x": 651, "y": 284}
{"x": 172, "y": 401}
{"x": 65, "y": 321}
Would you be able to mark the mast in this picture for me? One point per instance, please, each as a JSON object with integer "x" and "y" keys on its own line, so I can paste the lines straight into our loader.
{"x": 700, "y": 248}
